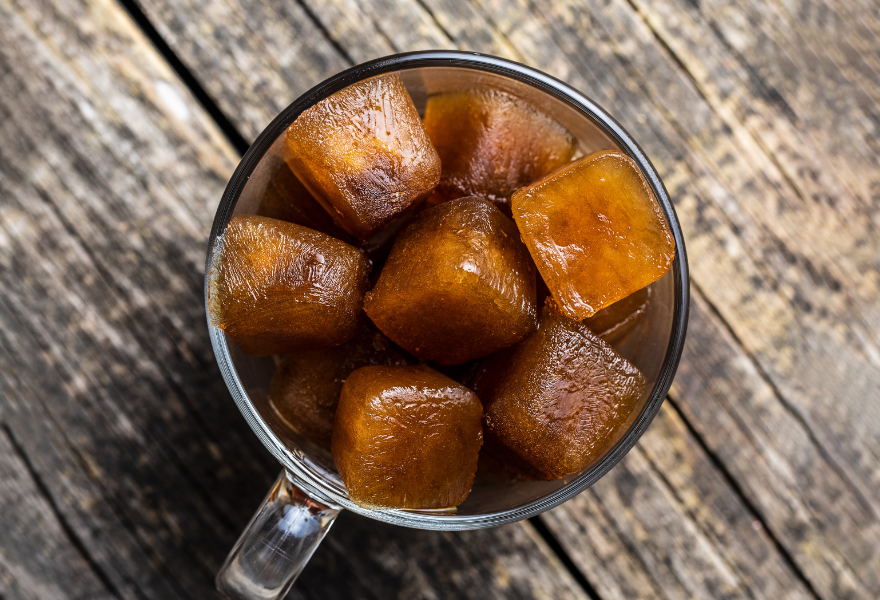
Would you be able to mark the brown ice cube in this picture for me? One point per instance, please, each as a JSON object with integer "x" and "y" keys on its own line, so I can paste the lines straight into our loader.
{"x": 595, "y": 232}
{"x": 364, "y": 154}
{"x": 306, "y": 386}
{"x": 616, "y": 322}
{"x": 278, "y": 287}
{"x": 458, "y": 284}
{"x": 287, "y": 199}
{"x": 556, "y": 402}
{"x": 406, "y": 437}
{"x": 491, "y": 143}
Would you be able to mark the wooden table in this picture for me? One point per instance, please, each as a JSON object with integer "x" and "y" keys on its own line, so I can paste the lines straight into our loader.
{"x": 127, "y": 472}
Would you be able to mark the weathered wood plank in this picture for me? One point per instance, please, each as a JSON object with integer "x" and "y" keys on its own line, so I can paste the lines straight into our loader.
{"x": 529, "y": 35}
{"x": 802, "y": 496}
{"x": 109, "y": 176}
{"x": 521, "y": 35}
{"x": 47, "y": 564}
{"x": 791, "y": 79}
{"x": 793, "y": 302}
{"x": 684, "y": 533}
{"x": 365, "y": 559}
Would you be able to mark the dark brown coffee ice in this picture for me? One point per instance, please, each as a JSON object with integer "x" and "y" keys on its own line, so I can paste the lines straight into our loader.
{"x": 492, "y": 143}
{"x": 306, "y": 386}
{"x": 458, "y": 284}
{"x": 364, "y": 154}
{"x": 277, "y": 287}
{"x": 554, "y": 402}
{"x": 406, "y": 437}
{"x": 459, "y": 289}
{"x": 595, "y": 231}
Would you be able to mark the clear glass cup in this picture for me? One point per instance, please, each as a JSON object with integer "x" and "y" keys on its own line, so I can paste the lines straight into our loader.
{"x": 309, "y": 492}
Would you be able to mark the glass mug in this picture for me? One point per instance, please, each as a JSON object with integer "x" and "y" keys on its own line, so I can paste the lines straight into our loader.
{"x": 309, "y": 493}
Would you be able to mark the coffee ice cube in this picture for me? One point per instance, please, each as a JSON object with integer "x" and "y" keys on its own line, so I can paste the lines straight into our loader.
{"x": 458, "y": 284}
{"x": 364, "y": 154}
{"x": 406, "y": 437}
{"x": 278, "y": 287}
{"x": 595, "y": 231}
{"x": 306, "y": 386}
{"x": 491, "y": 143}
{"x": 556, "y": 402}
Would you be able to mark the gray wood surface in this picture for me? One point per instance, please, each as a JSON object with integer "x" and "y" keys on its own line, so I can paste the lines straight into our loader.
{"x": 759, "y": 479}
{"x": 765, "y": 143}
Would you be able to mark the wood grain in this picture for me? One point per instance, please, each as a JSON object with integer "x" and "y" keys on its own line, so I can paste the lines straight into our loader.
{"x": 48, "y": 563}
{"x": 127, "y": 471}
{"x": 365, "y": 559}
{"x": 674, "y": 518}
{"x": 784, "y": 472}
{"x": 279, "y": 51}
{"x": 745, "y": 220}
{"x": 762, "y": 120}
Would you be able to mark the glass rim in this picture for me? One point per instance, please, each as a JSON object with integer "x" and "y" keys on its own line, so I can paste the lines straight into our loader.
{"x": 308, "y": 481}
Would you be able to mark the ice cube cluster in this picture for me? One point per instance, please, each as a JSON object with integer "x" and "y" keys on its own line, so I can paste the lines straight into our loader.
{"x": 436, "y": 284}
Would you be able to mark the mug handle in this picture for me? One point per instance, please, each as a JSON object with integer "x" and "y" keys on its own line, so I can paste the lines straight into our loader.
{"x": 276, "y": 544}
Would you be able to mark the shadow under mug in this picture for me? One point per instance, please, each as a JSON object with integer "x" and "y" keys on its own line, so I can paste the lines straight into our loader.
{"x": 309, "y": 493}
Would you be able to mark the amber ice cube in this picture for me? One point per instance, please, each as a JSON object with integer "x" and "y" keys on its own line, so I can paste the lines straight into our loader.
{"x": 306, "y": 386}
{"x": 278, "y": 287}
{"x": 491, "y": 143}
{"x": 595, "y": 232}
{"x": 406, "y": 437}
{"x": 555, "y": 402}
{"x": 287, "y": 199}
{"x": 364, "y": 154}
{"x": 458, "y": 284}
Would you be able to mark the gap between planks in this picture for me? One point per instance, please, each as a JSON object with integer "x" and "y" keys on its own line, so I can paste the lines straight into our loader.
{"x": 765, "y": 377}
{"x": 556, "y": 548}
{"x": 319, "y": 26}
{"x": 232, "y": 134}
{"x": 739, "y": 493}
{"x": 43, "y": 489}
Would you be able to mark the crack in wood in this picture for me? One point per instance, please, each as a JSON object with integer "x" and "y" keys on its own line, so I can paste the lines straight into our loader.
{"x": 324, "y": 31}
{"x": 86, "y": 469}
{"x": 675, "y": 494}
{"x": 114, "y": 502}
{"x": 859, "y": 496}
{"x": 755, "y": 79}
{"x": 186, "y": 76}
{"x": 739, "y": 494}
{"x": 378, "y": 28}
{"x": 625, "y": 541}
{"x": 69, "y": 532}
{"x": 560, "y": 553}
{"x": 437, "y": 22}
